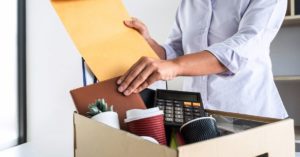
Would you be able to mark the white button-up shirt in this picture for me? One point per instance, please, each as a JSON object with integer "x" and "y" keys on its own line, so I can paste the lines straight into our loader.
{"x": 238, "y": 33}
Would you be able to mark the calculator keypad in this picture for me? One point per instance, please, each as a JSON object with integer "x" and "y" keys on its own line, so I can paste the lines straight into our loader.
{"x": 179, "y": 112}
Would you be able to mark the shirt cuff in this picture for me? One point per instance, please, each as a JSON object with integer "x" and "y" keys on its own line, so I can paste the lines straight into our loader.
{"x": 170, "y": 52}
{"x": 228, "y": 57}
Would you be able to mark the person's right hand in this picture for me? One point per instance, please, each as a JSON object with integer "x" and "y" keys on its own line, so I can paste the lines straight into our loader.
{"x": 139, "y": 26}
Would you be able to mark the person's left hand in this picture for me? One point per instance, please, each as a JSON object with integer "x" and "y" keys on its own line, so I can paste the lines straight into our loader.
{"x": 145, "y": 72}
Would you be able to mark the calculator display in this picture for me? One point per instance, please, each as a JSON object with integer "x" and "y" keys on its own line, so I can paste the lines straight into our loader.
{"x": 177, "y": 96}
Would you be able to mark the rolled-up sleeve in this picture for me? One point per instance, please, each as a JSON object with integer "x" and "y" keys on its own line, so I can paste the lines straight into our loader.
{"x": 257, "y": 28}
{"x": 173, "y": 45}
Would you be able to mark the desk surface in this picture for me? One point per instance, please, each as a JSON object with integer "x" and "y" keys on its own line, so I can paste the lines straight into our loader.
{"x": 35, "y": 150}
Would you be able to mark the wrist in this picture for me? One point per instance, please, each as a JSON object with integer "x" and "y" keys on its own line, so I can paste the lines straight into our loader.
{"x": 177, "y": 67}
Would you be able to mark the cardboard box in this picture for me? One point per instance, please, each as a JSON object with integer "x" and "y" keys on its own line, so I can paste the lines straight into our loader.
{"x": 275, "y": 139}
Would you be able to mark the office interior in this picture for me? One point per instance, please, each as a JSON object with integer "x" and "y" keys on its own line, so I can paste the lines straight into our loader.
{"x": 44, "y": 65}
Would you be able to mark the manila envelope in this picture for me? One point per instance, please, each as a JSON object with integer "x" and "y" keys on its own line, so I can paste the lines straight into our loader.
{"x": 98, "y": 31}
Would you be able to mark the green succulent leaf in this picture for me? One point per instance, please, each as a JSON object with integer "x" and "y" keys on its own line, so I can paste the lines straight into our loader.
{"x": 98, "y": 106}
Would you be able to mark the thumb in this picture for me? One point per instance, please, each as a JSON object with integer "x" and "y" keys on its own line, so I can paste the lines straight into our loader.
{"x": 137, "y": 25}
{"x": 128, "y": 23}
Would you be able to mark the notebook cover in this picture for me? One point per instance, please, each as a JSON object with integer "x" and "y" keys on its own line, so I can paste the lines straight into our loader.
{"x": 83, "y": 96}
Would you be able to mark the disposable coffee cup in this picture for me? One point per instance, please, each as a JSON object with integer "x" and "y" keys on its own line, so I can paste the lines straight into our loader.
{"x": 199, "y": 129}
{"x": 136, "y": 114}
{"x": 147, "y": 123}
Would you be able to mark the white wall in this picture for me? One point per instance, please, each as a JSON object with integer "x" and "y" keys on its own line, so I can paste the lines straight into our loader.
{"x": 54, "y": 68}
{"x": 157, "y": 15}
{"x": 8, "y": 81}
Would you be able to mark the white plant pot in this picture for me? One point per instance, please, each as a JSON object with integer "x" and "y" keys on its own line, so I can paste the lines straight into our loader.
{"x": 150, "y": 139}
{"x": 109, "y": 118}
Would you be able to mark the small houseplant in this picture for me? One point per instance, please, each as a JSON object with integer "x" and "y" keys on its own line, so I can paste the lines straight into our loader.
{"x": 101, "y": 112}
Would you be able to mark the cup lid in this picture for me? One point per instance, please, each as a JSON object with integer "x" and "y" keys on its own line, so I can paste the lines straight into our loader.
{"x": 146, "y": 115}
{"x": 140, "y": 112}
{"x": 135, "y": 114}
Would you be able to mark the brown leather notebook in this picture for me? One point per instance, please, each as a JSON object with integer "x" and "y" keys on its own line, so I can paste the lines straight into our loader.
{"x": 83, "y": 96}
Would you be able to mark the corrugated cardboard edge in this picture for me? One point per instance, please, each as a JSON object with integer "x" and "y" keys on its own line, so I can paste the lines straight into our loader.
{"x": 276, "y": 139}
{"x": 254, "y": 141}
{"x": 88, "y": 133}
{"x": 243, "y": 116}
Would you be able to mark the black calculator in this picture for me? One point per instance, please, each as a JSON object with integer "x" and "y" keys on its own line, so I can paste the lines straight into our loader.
{"x": 179, "y": 107}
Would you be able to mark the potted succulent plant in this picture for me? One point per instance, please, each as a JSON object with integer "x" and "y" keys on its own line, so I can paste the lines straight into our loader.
{"x": 100, "y": 112}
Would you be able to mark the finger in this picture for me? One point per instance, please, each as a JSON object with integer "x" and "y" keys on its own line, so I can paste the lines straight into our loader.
{"x": 139, "y": 80}
{"x": 131, "y": 76}
{"x": 142, "y": 87}
{"x": 151, "y": 79}
{"x": 122, "y": 78}
{"x": 128, "y": 23}
{"x": 135, "y": 24}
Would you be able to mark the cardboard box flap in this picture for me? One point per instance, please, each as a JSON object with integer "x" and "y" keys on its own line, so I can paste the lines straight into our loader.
{"x": 242, "y": 116}
{"x": 94, "y": 139}
{"x": 275, "y": 139}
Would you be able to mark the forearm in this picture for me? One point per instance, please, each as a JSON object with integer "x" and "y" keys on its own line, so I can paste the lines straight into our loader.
{"x": 159, "y": 50}
{"x": 196, "y": 64}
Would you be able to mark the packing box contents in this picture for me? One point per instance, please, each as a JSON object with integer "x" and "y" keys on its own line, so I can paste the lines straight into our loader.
{"x": 110, "y": 124}
{"x": 262, "y": 137}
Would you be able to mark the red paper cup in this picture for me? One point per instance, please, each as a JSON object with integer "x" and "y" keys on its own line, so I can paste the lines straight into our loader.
{"x": 151, "y": 126}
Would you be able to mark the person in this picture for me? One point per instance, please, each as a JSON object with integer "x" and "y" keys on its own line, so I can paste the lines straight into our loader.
{"x": 223, "y": 48}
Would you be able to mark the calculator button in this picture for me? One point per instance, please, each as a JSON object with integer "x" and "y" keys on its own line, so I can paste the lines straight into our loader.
{"x": 177, "y": 102}
{"x": 197, "y": 114}
{"x": 169, "y": 104}
{"x": 188, "y": 109}
{"x": 178, "y": 105}
{"x": 179, "y": 116}
{"x": 160, "y": 100}
{"x": 161, "y": 107}
{"x": 169, "y": 119}
{"x": 169, "y": 115}
{"x": 170, "y": 101}
{"x": 159, "y": 103}
{"x": 178, "y": 112}
{"x": 169, "y": 108}
{"x": 178, "y": 108}
{"x": 187, "y": 103}
{"x": 169, "y": 111}
{"x": 179, "y": 120}
{"x": 197, "y": 104}
{"x": 188, "y": 113}
{"x": 196, "y": 110}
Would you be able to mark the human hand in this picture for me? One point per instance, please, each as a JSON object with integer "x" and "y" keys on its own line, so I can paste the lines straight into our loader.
{"x": 145, "y": 72}
{"x": 139, "y": 26}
